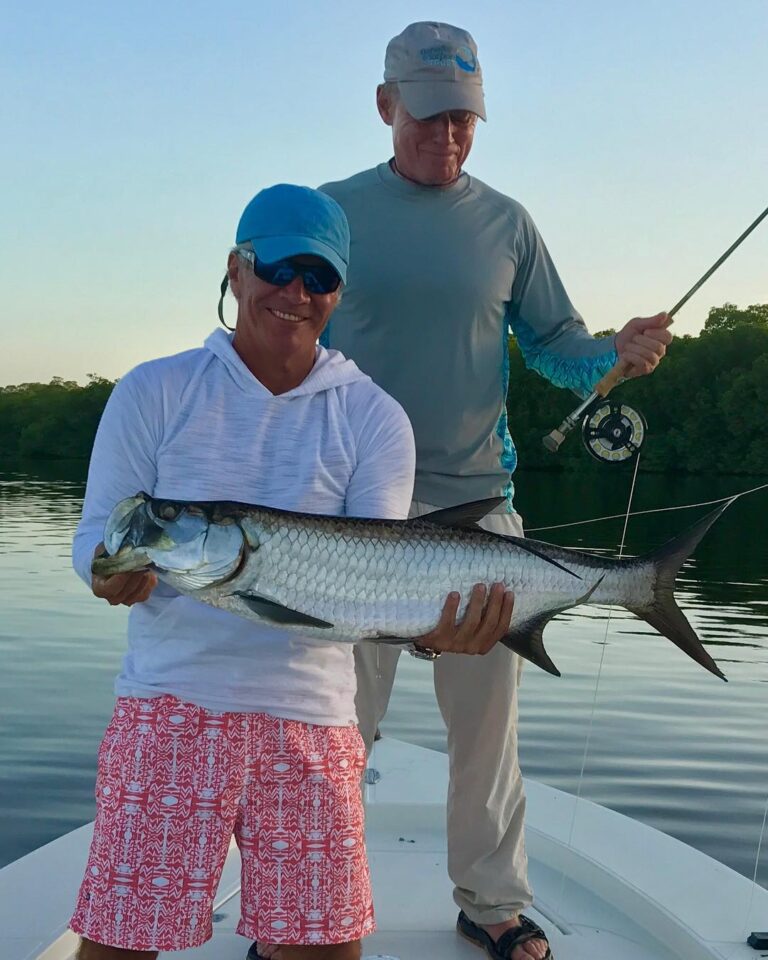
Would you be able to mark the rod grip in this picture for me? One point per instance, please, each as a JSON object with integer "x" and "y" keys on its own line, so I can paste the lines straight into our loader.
{"x": 614, "y": 376}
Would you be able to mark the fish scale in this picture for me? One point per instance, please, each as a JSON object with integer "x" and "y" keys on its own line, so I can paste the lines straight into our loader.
{"x": 314, "y": 567}
{"x": 343, "y": 578}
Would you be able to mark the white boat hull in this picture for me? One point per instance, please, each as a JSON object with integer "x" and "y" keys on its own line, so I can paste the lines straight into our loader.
{"x": 607, "y": 887}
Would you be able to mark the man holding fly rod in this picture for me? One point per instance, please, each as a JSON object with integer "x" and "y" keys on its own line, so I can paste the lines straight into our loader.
{"x": 443, "y": 267}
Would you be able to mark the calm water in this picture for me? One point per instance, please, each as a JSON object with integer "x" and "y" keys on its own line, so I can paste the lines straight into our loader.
{"x": 670, "y": 744}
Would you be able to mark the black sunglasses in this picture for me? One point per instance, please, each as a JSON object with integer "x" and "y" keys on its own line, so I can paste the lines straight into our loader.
{"x": 316, "y": 277}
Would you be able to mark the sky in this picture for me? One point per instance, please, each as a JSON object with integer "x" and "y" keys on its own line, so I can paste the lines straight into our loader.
{"x": 636, "y": 134}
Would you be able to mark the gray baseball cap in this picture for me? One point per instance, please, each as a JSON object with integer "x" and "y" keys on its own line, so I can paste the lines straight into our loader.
{"x": 436, "y": 69}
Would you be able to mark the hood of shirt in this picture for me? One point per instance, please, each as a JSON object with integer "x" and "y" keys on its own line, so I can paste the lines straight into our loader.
{"x": 331, "y": 369}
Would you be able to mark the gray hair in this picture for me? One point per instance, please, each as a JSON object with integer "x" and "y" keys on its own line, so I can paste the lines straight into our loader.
{"x": 391, "y": 90}
{"x": 238, "y": 250}
{"x": 240, "y": 247}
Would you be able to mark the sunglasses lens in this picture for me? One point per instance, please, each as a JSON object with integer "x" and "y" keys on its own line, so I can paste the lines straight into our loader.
{"x": 321, "y": 278}
{"x": 280, "y": 274}
{"x": 317, "y": 278}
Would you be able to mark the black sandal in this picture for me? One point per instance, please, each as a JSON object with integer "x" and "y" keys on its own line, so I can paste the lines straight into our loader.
{"x": 502, "y": 948}
{"x": 253, "y": 952}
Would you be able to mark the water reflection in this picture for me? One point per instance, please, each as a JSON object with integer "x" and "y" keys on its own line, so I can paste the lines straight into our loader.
{"x": 669, "y": 743}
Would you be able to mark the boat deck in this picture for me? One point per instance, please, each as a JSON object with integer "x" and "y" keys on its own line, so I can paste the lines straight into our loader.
{"x": 607, "y": 888}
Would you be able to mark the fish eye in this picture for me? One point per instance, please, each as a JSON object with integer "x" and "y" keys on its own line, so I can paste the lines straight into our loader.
{"x": 167, "y": 510}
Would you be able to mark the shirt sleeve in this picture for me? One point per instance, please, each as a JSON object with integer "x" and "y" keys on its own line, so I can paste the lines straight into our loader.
{"x": 551, "y": 334}
{"x": 123, "y": 462}
{"x": 382, "y": 482}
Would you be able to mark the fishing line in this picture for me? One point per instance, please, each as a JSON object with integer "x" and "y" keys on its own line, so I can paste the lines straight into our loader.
{"x": 591, "y": 722}
{"x": 747, "y": 923}
{"x": 639, "y": 513}
{"x": 590, "y": 726}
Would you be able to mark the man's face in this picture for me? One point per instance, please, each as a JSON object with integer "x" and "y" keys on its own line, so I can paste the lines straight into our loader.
{"x": 432, "y": 151}
{"x": 278, "y": 322}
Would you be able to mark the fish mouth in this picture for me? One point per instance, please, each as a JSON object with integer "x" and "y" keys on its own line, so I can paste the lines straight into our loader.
{"x": 176, "y": 539}
{"x": 129, "y": 532}
{"x": 126, "y": 560}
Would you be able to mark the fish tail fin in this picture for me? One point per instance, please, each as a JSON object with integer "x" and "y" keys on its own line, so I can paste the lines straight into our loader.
{"x": 662, "y": 612}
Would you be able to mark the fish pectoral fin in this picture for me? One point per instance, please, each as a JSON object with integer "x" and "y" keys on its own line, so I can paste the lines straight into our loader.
{"x": 278, "y": 613}
{"x": 462, "y": 515}
{"x": 527, "y": 640}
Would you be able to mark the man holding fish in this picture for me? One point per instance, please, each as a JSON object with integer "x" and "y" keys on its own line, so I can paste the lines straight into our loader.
{"x": 223, "y": 726}
{"x": 442, "y": 268}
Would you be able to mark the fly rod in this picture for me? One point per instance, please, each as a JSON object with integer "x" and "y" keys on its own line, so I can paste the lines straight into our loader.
{"x": 618, "y": 372}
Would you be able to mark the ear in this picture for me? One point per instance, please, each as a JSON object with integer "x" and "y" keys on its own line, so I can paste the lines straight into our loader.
{"x": 234, "y": 266}
{"x": 385, "y": 106}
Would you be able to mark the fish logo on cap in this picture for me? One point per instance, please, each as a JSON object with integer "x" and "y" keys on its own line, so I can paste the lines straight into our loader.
{"x": 466, "y": 60}
{"x": 444, "y": 56}
{"x": 436, "y": 68}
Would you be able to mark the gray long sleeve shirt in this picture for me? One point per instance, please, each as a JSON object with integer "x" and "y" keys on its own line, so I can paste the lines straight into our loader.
{"x": 437, "y": 279}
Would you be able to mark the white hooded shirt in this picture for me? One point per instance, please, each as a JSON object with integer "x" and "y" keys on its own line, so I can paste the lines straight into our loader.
{"x": 200, "y": 426}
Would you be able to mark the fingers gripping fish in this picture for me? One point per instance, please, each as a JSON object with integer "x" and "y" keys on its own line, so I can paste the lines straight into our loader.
{"x": 350, "y": 579}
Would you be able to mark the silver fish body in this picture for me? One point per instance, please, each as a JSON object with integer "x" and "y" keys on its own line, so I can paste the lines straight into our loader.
{"x": 348, "y": 579}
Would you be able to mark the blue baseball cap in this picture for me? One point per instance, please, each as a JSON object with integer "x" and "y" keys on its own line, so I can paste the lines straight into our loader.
{"x": 286, "y": 220}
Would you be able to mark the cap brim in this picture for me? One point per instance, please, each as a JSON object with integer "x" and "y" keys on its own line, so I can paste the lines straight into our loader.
{"x": 425, "y": 99}
{"x": 270, "y": 249}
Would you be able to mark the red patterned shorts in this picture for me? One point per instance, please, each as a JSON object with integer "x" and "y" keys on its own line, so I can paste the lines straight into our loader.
{"x": 175, "y": 782}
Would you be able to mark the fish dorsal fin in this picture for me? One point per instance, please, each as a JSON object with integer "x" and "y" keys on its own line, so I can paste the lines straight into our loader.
{"x": 462, "y": 515}
{"x": 529, "y": 547}
{"x": 276, "y": 612}
{"x": 468, "y": 515}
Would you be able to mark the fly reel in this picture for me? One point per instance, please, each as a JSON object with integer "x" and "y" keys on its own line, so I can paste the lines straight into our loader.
{"x": 612, "y": 432}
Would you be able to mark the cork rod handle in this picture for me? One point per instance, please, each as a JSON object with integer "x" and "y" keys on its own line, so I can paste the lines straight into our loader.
{"x": 615, "y": 375}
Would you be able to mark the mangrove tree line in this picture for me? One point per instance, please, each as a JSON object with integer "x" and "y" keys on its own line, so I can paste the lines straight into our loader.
{"x": 705, "y": 406}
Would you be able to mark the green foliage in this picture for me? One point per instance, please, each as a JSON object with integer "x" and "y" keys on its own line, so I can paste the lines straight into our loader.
{"x": 728, "y": 317}
{"x": 51, "y": 421}
{"x": 705, "y": 404}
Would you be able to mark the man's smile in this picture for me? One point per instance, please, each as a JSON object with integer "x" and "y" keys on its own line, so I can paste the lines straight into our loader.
{"x": 281, "y": 315}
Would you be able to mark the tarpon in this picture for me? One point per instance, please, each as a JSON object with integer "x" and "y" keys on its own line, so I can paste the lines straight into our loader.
{"x": 350, "y": 579}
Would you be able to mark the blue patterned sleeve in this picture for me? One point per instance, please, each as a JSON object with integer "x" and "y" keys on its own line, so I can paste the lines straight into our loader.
{"x": 579, "y": 374}
{"x": 551, "y": 334}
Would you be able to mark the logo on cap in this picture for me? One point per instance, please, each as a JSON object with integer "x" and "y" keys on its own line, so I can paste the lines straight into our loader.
{"x": 443, "y": 56}
{"x": 465, "y": 59}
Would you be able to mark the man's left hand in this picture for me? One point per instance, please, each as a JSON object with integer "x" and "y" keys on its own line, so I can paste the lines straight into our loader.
{"x": 643, "y": 342}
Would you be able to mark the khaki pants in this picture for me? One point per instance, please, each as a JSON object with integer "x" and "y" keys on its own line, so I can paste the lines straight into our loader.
{"x": 477, "y": 697}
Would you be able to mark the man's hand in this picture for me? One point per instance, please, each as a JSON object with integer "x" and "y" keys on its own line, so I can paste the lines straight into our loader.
{"x": 483, "y": 624}
{"x": 123, "y": 588}
{"x": 642, "y": 343}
